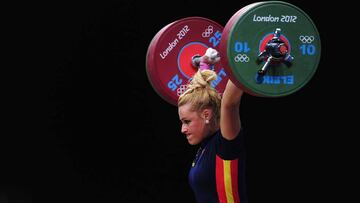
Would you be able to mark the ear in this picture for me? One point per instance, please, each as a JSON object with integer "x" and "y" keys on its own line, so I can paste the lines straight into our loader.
{"x": 206, "y": 114}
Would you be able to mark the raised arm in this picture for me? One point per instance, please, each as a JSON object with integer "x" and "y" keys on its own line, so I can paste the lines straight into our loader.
{"x": 230, "y": 123}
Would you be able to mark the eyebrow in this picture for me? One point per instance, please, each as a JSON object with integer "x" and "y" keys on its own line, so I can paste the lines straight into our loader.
{"x": 184, "y": 118}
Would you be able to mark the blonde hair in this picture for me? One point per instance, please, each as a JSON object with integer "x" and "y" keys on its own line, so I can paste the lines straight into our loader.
{"x": 200, "y": 94}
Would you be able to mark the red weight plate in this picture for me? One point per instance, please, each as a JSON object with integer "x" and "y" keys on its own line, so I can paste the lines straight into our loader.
{"x": 168, "y": 59}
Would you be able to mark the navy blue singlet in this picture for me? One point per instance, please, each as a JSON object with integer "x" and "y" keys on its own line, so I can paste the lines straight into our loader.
{"x": 217, "y": 174}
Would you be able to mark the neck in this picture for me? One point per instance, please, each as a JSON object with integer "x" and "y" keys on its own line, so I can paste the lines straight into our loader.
{"x": 213, "y": 129}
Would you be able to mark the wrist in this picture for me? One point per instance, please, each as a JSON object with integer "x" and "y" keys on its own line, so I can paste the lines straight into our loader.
{"x": 204, "y": 66}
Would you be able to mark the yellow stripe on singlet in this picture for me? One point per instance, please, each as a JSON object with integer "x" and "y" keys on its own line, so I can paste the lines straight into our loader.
{"x": 227, "y": 181}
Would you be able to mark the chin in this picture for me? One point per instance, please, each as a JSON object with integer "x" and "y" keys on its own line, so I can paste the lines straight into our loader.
{"x": 192, "y": 142}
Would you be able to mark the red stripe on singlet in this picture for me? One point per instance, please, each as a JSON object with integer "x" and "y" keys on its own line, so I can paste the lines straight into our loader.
{"x": 220, "y": 184}
{"x": 234, "y": 180}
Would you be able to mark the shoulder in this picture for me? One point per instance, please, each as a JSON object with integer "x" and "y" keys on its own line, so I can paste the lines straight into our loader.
{"x": 229, "y": 149}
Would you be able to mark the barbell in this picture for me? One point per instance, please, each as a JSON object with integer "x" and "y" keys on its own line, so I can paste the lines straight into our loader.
{"x": 269, "y": 49}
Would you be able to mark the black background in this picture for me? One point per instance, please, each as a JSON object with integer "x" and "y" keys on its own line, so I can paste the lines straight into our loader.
{"x": 88, "y": 126}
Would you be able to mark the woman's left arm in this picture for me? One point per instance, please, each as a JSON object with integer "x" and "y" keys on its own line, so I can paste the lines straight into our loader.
{"x": 230, "y": 123}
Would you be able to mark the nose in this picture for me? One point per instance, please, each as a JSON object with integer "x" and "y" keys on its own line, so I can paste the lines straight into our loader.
{"x": 183, "y": 128}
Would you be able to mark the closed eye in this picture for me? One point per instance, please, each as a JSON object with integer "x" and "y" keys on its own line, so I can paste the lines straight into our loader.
{"x": 185, "y": 122}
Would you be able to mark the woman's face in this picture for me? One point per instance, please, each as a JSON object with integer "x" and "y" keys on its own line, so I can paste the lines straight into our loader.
{"x": 193, "y": 124}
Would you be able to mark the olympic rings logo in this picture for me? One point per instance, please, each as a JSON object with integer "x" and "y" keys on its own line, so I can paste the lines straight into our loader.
{"x": 242, "y": 58}
{"x": 181, "y": 89}
{"x": 306, "y": 39}
{"x": 208, "y": 31}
